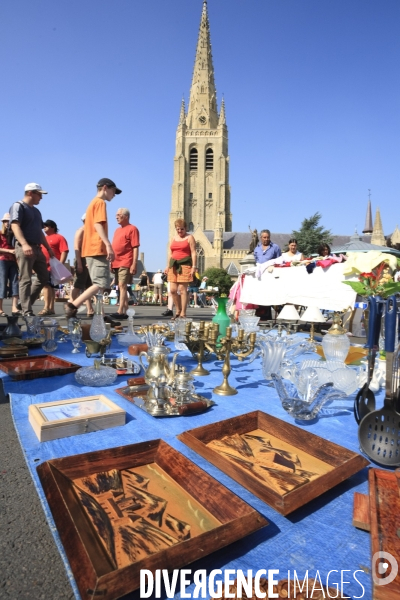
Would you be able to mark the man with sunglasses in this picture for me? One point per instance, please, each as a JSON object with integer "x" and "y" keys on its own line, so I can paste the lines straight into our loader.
{"x": 27, "y": 226}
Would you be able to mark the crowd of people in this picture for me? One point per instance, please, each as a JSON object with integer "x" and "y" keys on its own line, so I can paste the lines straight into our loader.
{"x": 28, "y": 244}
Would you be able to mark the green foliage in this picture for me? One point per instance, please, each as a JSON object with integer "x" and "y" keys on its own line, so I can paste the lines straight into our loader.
{"x": 218, "y": 278}
{"x": 311, "y": 235}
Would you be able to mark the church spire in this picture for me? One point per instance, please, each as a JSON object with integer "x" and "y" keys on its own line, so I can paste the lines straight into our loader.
{"x": 378, "y": 237}
{"x": 222, "y": 118}
{"x": 182, "y": 113}
{"x": 202, "y": 112}
{"x": 368, "y": 228}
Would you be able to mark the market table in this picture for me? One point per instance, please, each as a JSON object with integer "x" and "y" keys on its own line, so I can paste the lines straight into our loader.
{"x": 316, "y": 537}
{"x": 323, "y": 288}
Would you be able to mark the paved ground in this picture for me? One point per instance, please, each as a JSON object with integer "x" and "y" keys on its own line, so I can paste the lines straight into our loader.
{"x": 30, "y": 565}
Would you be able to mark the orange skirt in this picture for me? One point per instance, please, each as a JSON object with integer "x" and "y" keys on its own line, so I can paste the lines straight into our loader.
{"x": 184, "y": 277}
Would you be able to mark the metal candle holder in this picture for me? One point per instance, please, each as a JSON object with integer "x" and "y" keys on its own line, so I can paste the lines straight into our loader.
{"x": 199, "y": 342}
{"x": 241, "y": 347}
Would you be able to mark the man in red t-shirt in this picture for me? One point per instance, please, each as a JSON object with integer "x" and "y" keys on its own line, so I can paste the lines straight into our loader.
{"x": 59, "y": 246}
{"x": 126, "y": 247}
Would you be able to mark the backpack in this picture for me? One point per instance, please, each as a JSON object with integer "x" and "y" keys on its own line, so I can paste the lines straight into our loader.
{"x": 9, "y": 234}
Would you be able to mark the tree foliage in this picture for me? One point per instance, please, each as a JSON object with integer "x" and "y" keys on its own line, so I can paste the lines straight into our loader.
{"x": 311, "y": 235}
{"x": 218, "y": 278}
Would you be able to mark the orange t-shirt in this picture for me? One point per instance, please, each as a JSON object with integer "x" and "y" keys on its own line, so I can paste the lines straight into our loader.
{"x": 92, "y": 244}
{"x": 124, "y": 241}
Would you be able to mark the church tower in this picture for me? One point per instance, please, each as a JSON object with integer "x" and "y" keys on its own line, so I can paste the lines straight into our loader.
{"x": 200, "y": 190}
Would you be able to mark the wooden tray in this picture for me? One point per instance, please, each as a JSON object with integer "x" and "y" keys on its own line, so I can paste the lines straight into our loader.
{"x": 63, "y": 418}
{"x": 32, "y": 367}
{"x": 379, "y": 513}
{"x": 283, "y": 465}
{"x": 133, "y": 491}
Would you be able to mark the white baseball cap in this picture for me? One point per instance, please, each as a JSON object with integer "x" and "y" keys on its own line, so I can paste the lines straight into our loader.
{"x": 34, "y": 187}
{"x": 6, "y": 217}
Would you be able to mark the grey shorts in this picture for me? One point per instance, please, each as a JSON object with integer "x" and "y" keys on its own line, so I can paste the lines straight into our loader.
{"x": 99, "y": 270}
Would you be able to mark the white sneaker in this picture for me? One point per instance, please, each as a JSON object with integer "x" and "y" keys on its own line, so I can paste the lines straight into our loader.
{"x": 81, "y": 309}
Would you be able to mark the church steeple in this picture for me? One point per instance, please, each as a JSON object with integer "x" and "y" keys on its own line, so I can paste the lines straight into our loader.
{"x": 202, "y": 112}
{"x": 378, "y": 237}
{"x": 368, "y": 228}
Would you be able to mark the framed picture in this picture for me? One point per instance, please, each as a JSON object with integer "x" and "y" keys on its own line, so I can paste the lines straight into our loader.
{"x": 141, "y": 506}
{"x": 280, "y": 463}
{"x": 52, "y": 420}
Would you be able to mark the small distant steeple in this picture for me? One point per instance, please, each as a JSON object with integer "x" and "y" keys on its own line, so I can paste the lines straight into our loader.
{"x": 395, "y": 237}
{"x": 368, "y": 227}
{"x": 378, "y": 237}
{"x": 182, "y": 113}
{"x": 222, "y": 119}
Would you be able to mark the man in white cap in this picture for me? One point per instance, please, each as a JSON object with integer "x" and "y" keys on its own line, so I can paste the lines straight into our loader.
{"x": 27, "y": 224}
{"x": 82, "y": 279}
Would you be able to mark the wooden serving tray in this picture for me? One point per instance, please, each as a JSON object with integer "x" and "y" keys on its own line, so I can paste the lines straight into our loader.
{"x": 32, "y": 367}
{"x": 142, "y": 506}
{"x": 282, "y": 464}
{"x": 379, "y": 513}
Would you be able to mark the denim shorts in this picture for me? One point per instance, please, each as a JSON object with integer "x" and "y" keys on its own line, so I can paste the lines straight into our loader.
{"x": 8, "y": 273}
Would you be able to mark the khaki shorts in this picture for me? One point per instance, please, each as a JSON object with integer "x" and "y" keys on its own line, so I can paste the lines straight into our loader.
{"x": 123, "y": 275}
{"x": 99, "y": 271}
{"x": 184, "y": 277}
{"x": 82, "y": 280}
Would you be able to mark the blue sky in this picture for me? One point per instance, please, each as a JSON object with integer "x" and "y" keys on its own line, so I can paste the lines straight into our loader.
{"x": 92, "y": 88}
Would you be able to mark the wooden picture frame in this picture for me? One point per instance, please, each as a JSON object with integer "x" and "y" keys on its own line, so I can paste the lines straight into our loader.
{"x": 94, "y": 559}
{"x": 32, "y": 367}
{"x": 63, "y": 418}
{"x": 321, "y": 464}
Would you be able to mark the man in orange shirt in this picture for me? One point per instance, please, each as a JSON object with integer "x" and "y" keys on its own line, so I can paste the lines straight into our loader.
{"x": 126, "y": 246}
{"x": 96, "y": 246}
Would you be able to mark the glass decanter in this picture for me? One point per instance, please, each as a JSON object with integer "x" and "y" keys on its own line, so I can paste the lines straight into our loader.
{"x": 335, "y": 343}
{"x": 98, "y": 329}
{"x": 50, "y": 344}
{"x": 129, "y": 337}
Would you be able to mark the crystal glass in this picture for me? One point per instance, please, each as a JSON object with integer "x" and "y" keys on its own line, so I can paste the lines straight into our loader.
{"x": 343, "y": 378}
{"x": 180, "y": 325}
{"x": 98, "y": 329}
{"x": 76, "y": 338}
{"x": 272, "y": 349}
{"x": 249, "y": 323}
{"x": 308, "y": 407}
{"x": 33, "y": 326}
{"x": 96, "y": 376}
{"x": 336, "y": 347}
{"x": 129, "y": 337}
{"x": 50, "y": 344}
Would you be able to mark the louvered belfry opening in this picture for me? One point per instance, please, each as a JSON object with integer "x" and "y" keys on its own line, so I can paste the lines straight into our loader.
{"x": 194, "y": 159}
{"x": 209, "y": 160}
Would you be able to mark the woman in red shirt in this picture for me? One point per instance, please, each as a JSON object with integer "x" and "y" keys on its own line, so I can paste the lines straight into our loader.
{"x": 181, "y": 266}
{"x": 8, "y": 270}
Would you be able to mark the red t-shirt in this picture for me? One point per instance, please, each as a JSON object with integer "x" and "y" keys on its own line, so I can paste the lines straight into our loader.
{"x": 124, "y": 241}
{"x": 57, "y": 243}
{"x": 4, "y": 244}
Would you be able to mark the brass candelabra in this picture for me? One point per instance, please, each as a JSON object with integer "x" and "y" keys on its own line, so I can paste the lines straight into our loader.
{"x": 206, "y": 340}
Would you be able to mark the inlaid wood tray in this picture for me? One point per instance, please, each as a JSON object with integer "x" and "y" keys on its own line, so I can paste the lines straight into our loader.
{"x": 142, "y": 506}
{"x": 32, "y": 367}
{"x": 379, "y": 513}
{"x": 282, "y": 464}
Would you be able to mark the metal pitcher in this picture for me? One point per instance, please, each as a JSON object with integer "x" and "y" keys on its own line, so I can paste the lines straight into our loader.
{"x": 158, "y": 364}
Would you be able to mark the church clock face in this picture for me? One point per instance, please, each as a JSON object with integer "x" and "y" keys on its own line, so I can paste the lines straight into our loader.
{"x": 203, "y": 120}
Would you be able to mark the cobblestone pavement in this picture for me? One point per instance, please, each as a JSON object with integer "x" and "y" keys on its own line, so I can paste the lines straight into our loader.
{"x": 30, "y": 565}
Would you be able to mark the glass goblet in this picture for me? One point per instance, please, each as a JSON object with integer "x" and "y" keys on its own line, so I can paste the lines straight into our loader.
{"x": 76, "y": 338}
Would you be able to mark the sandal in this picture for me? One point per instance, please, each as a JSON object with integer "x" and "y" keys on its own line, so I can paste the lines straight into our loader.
{"x": 46, "y": 312}
{"x": 70, "y": 310}
{"x": 3, "y": 314}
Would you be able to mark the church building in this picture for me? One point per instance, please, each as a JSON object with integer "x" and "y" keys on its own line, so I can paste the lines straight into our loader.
{"x": 201, "y": 192}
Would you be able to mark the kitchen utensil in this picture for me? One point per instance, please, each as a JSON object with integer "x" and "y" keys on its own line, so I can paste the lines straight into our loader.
{"x": 365, "y": 400}
{"x": 379, "y": 431}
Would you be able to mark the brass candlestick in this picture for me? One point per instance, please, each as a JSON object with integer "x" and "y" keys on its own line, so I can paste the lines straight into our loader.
{"x": 241, "y": 347}
{"x": 196, "y": 342}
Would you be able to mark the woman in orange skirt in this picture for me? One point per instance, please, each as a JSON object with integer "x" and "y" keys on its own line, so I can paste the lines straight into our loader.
{"x": 181, "y": 266}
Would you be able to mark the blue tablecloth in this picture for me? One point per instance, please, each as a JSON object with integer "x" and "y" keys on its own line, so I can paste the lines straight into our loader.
{"x": 317, "y": 537}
